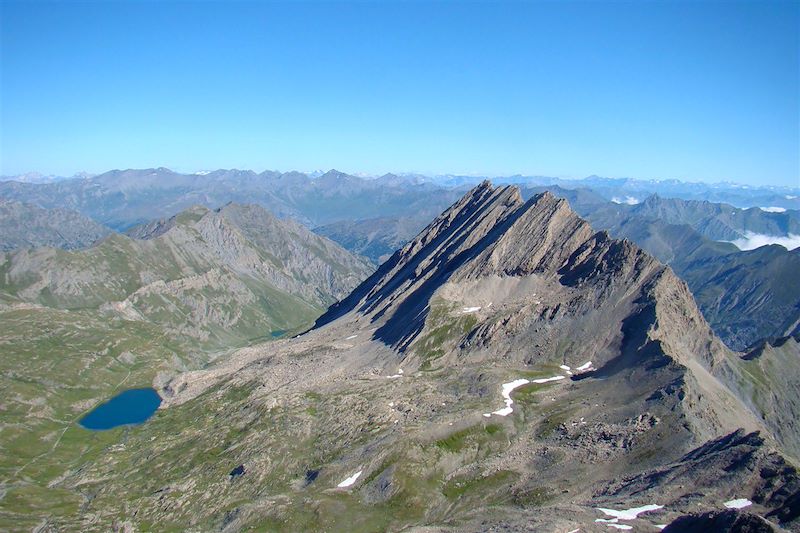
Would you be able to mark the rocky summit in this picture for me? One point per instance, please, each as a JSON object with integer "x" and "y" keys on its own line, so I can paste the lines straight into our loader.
{"x": 509, "y": 369}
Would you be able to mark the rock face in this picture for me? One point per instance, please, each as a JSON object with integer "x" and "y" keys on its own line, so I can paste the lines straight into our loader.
{"x": 617, "y": 402}
{"x": 722, "y": 522}
{"x": 768, "y": 378}
{"x": 30, "y": 226}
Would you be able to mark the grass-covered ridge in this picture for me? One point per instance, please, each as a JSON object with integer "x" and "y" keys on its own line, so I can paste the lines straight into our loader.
{"x": 78, "y": 326}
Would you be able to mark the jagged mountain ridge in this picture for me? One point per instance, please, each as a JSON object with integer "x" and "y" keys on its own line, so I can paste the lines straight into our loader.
{"x": 493, "y": 233}
{"x": 394, "y": 392}
{"x": 756, "y": 302}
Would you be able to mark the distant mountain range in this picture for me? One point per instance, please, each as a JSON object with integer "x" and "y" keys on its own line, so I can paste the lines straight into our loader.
{"x": 36, "y": 177}
{"x": 123, "y": 198}
{"x": 375, "y": 216}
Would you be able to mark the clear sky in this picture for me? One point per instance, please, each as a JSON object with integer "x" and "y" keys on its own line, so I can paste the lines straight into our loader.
{"x": 700, "y": 91}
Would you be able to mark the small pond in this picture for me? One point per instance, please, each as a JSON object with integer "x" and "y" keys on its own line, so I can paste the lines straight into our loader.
{"x": 132, "y": 406}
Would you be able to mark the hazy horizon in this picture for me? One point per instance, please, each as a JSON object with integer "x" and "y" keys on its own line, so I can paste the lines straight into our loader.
{"x": 698, "y": 92}
{"x": 367, "y": 175}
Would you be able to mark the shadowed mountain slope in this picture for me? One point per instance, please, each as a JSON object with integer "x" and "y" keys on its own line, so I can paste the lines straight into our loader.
{"x": 30, "y": 226}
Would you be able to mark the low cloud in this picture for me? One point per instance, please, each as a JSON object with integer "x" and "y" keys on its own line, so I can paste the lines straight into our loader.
{"x": 773, "y": 209}
{"x": 630, "y": 200}
{"x": 751, "y": 241}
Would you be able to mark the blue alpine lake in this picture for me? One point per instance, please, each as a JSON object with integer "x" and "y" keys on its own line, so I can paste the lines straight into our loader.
{"x": 129, "y": 407}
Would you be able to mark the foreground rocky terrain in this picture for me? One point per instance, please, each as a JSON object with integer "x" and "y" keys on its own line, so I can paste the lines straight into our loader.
{"x": 508, "y": 369}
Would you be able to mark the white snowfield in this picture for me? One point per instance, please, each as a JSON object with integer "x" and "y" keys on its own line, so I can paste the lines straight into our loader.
{"x": 351, "y": 337}
{"x": 506, "y": 392}
{"x": 738, "y": 503}
{"x": 508, "y": 387}
{"x": 564, "y": 367}
{"x": 470, "y": 309}
{"x": 585, "y": 366}
{"x": 349, "y": 481}
{"x": 630, "y": 514}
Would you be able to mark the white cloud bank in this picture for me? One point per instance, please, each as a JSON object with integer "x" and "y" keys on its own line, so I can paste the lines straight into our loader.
{"x": 773, "y": 209}
{"x": 751, "y": 241}
{"x": 630, "y": 200}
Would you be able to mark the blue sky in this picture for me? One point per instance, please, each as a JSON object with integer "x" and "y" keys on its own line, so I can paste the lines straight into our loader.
{"x": 700, "y": 91}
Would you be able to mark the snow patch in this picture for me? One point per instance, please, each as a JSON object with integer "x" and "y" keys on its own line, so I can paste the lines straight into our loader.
{"x": 506, "y": 392}
{"x": 773, "y": 209}
{"x": 585, "y": 366}
{"x": 470, "y": 309}
{"x": 564, "y": 367}
{"x": 349, "y": 481}
{"x": 738, "y": 503}
{"x": 398, "y": 375}
{"x": 752, "y": 240}
{"x": 351, "y": 337}
{"x": 630, "y": 514}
